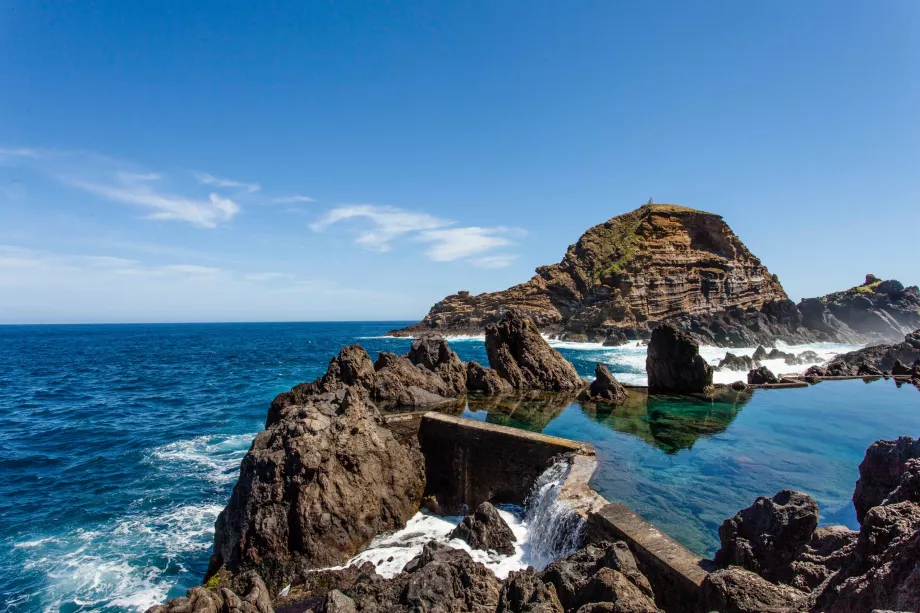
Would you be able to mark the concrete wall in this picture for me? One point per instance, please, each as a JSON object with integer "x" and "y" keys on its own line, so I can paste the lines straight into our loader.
{"x": 469, "y": 462}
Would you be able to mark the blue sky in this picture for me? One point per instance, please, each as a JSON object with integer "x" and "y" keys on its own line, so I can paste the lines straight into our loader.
{"x": 215, "y": 161}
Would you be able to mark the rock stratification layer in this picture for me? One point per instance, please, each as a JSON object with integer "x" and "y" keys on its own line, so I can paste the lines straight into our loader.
{"x": 653, "y": 264}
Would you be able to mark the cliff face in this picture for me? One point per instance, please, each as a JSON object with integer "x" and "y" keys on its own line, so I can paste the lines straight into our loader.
{"x": 877, "y": 308}
{"x": 623, "y": 277}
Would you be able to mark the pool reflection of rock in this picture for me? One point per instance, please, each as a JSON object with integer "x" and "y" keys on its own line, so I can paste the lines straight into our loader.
{"x": 528, "y": 411}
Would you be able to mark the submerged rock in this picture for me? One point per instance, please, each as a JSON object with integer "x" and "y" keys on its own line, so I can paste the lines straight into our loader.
{"x": 520, "y": 355}
{"x": 485, "y": 529}
{"x": 674, "y": 363}
{"x": 315, "y": 488}
{"x": 605, "y": 389}
{"x": 769, "y": 535}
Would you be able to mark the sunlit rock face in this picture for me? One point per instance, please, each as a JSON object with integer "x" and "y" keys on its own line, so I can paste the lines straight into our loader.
{"x": 655, "y": 263}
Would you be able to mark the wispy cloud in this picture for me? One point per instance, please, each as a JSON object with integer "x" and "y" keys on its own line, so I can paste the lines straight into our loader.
{"x": 494, "y": 261}
{"x": 447, "y": 242}
{"x": 206, "y": 179}
{"x": 267, "y": 276}
{"x": 21, "y": 258}
{"x": 136, "y": 189}
{"x": 292, "y": 199}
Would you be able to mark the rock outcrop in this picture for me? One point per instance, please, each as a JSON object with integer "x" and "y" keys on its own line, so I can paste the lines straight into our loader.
{"x": 880, "y": 472}
{"x": 522, "y": 356}
{"x": 760, "y": 376}
{"x": 674, "y": 363}
{"x": 736, "y": 362}
{"x": 735, "y": 590}
{"x": 605, "y": 389}
{"x": 877, "y": 308}
{"x": 882, "y": 358}
{"x": 315, "y": 488}
{"x": 255, "y": 599}
{"x": 485, "y": 381}
{"x": 485, "y": 529}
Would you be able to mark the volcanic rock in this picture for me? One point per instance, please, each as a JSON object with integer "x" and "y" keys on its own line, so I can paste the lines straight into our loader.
{"x": 735, "y": 590}
{"x": 521, "y": 356}
{"x": 524, "y": 592}
{"x": 881, "y": 357}
{"x": 768, "y": 536}
{"x": 433, "y": 353}
{"x": 761, "y": 375}
{"x": 485, "y": 529}
{"x": 315, "y": 488}
{"x": 674, "y": 363}
{"x": 485, "y": 381}
{"x": 256, "y": 599}
{"x": 605, "y": 389}
{"x": 880, "y": 472}
{"x": 736, "y": 362}
{"x": 884, "y": 309}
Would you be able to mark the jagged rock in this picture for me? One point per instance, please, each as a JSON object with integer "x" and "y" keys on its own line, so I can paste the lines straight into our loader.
{"x": 735, "y": 590}
{"x": 908, "y": 489}
{"x": 315, "y": 488}
{"x": 433, "y": 353}
{"x": 337, "y": 602}
{"x": 898, "y": 369}
{"x": 605, "y": 389}
{"x": 881, "y": 357}
{"x": 760, "y": 353}
{"x": 885, "y": 309}
{"x": 485, "y": 381}
{"x": 868, "y": 370}
{"x": 761, "y": 375}
{"x": 439, "y": 579}
{"x": 201, "y": 600}
{"x": 577, "y": 584}
{"x": 736, "y": 362}
{"x": 829, "y": 550}
{"x": 521, "y": 356}
{"x": 485, "y": 529}
{"x": 524, "y": 592}
{"x": 880, "y": 472}
{"x": 767, "y": 536}
{"x": 615, "y": 339}
{"x": 674, "y": 363}
{"x": 739, "y": 386}
{"x": 403, "y": 384}
{"x": 816, "y": 371}
{"x": 809, "y": 357}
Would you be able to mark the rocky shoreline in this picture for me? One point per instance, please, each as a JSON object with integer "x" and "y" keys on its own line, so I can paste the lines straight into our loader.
{"x": 330, "y": 472}
{"x": 670, "y": 264}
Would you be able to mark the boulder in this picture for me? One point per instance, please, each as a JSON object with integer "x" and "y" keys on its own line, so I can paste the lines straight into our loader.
{"x": 760, "y": 353}
{"x": 880, "y": 472}
{"x": 605, "y": 389}
{"x": 808, "y": 357}
{"x": 735, "y": 590}
{"x": 866, "y": 369}
{"x": 760, "y": 376}
{"x": 898, "y": 369}
{"x": 400, "y": 383}
{"x": 486, "y": 381}
{"x": 736, "y": 362}
{"x": 485, "y": 529}
{"x": 432, "y": 352}
{"x": 520, "y": 355}
{"x": 674, "y": 363}
{"x": 315, "y": 488}
{"x": 768, "y": 536}
{"x": 524, "y": 592}
{"x": 739, "y": 386}
{"x": 255, "y": 599}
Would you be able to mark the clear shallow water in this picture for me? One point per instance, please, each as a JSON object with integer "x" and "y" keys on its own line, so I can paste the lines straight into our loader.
{"x": 120, "y": 444}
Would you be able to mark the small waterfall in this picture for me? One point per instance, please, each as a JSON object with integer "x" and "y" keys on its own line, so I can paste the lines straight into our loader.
{"x": 554, "y": 529}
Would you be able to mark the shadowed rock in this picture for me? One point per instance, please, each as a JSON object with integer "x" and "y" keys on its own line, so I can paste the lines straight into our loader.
{"x": 880, "y": 472}
{"x": 521, "y": 356}
{"x": 605, "y": 388}
{"x": 524, "y": 592}
{"x": 315, "y": 488}
{"x": 735, "y": 590}
{"x": 485, "y": 381}
{"x": 760, "y": 376}
{"x": 255, "y": 599}
{"x": 432, "y": 352}
{"x": 736, "y": 362}
{"x": 485, "y": 529}
{"x": 767, "y": 536}
{"x": 674, "y": 363}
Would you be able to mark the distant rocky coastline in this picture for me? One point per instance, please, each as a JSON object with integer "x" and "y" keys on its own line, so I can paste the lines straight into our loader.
{"x": 670, "y": 264}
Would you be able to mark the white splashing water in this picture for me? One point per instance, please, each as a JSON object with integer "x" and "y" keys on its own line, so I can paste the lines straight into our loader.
{"x": 546, "y": 530}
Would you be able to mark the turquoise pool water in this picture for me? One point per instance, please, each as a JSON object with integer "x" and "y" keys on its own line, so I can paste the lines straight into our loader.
{"x": 686, "y": 464}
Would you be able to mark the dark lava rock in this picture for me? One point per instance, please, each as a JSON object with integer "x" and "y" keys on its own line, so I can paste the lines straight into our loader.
{"x": 735, "y": 590}
{"x": 739, "y": 386}
{"x": 315, "y": 488}
{"x": 761, "y": 375}
{"x": 883, "y": 309}
{"x": 485, "y": 529}
{"x": 403, "y": 384}
{"x": 829, "y": 550}
{"x": 808, "y": 357}
{"x": 485, "y": 381}
{"x": 900, "y": 370}
{"x": 880, "y": 472}
{"x": 736, "y": 362}
{"x": 766, "y": 537}
{"x": 865, "y": 369}
{"x": 605, "y": 389}
{"x": 882, "y": 357}
{"x": 908, "y": 489}
{"x": 760, "y": 353}
{"x": 520, "y": 355}
{"x": 256, "y": 599}
{"x": 432, "y": 352}
{"x": 601, "y": 572}
{"x": 674, "y": 363}
{"x": 524, "y": 592}
{"x": 816, "y": 371}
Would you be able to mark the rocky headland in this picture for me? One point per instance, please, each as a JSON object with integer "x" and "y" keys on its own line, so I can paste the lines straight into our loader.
{"x": 664, "y": 263}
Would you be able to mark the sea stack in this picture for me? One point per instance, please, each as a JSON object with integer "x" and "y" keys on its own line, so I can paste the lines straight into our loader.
{"x": 674, "y": 363}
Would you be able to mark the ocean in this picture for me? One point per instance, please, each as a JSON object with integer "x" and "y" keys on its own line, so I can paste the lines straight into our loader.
{"x": 120, "y": 444}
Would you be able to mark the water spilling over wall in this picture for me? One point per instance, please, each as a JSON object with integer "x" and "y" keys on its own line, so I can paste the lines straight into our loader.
{"x": 554, "y": 529}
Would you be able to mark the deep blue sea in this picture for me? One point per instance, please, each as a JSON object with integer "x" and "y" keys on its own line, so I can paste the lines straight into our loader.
{"x": 119, "y": 445}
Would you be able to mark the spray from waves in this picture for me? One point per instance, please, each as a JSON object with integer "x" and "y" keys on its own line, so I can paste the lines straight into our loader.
{"x": 215, "y": 458}
{"x": 545, "y": 529}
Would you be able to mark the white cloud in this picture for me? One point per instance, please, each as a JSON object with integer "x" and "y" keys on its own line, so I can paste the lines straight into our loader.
{"x": 292, "y": 199}
{"x": 131, "y": 188}
{"x": 451, "y": 244}
{"x": 20, "y": 258}
{"x": 389, "y": 223}
{"x": 494, "y": 261}
{"x": 267, "y": 276}
{"x": 206, "y": 179}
